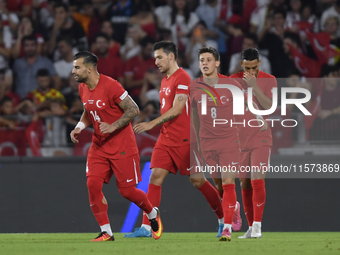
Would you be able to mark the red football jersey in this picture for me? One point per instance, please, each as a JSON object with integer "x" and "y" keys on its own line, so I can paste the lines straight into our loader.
{"x": 101, "y": 104}
{"x": 252, "y": 137}
{"x": 175, "y": 132}
{"x": 216, "y": 109}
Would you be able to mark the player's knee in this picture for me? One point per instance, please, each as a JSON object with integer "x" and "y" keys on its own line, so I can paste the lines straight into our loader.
{"x": 197, "y": 182}
{"x": 157, "y": 178}
{"x": 226, "y": 181}
{"x": 245, "y": 183}
{"x": 94, "y": 184}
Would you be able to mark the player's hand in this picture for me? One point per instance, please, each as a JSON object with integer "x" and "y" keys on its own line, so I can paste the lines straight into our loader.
{"x": 106, "y": 128}
{"x": 142, "y": 127}
{"x": 74, "y": 134}
{"x": 265, "y": 124}
{"x": 250, "y": 79}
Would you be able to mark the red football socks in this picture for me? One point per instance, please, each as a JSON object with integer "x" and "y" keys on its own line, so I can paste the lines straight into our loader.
{"x": 212, "y": 196}
{"x": 136, "y": 196}
{"x": 97, "y": 201}
{"x": 154, "y": 196}
{"x": 247, "y": 198}
{"x": 259, "y": 198}
{"x": 229, "y": 202}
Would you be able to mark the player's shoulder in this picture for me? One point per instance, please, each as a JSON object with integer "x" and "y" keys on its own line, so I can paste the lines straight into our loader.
{"x": 265, "y": 75}
{"x": 108, "y": 81}
{"x": 237, "y": 75}
{"x": 222, "y": 76}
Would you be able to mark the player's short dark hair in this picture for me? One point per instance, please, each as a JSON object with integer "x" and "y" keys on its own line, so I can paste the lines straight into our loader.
{"x": 29, "y": 38}
{"x": 145, "y": 41}
{"x": 42, "y": 72}
{"x": 252, "y": 36}
{"x": 89, "y": 57}
{"x": 59, "y": 4}
{"x": 101, "y": 34}
{"x": 250, "y": 54}
{"x": 293, "y": 37}
{"x": 167, "y": 46}
{"x": 211, "y": 50}
{"x": 5, "y": 99}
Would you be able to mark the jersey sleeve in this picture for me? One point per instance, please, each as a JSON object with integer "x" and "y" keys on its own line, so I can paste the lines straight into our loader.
{"x": 183, "y": 84}
{"x": 116, "y": 92}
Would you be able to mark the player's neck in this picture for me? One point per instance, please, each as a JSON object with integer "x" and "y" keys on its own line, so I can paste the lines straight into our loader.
{"x": 93, "y": 80}
{"x": 211, "y": 79}
{"x": 173, "y": 68}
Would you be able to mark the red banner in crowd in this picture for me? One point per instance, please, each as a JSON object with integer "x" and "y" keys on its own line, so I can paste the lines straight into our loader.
{"x": 32, "y": 135}
{"x": 12, "y": 142}
{"x": 308, "y": 67}
{"x": 321, "y": 45}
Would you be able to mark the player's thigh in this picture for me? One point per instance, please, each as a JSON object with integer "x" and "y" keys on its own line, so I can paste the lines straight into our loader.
{"x": 161, "y": 158}
{"x": 181, "y": 157}
{"x": 245, "y": 166}
{"x": 212, "y": 162}
{"x": 196, "y": 160}
{"x": 260, "y": 161}
{"x": 100, "y": 167}
{"x": 229, "y": 160}
{"x": 126, "y": 170}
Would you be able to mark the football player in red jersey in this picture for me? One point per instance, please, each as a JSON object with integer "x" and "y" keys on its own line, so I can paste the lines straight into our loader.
{"x": 172, "y": 150}
{"x": 255, "y": 144}
{"x": 109, "y": 108}
{"x": 219, "y": 144}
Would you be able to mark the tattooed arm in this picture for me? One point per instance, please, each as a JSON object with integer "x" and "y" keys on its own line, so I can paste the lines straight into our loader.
{"x": 131, "y": 110}
{"x": 176, "y": 109}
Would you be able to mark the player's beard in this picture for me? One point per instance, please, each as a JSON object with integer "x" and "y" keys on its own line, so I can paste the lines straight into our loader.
{"x": 82, "y": 79}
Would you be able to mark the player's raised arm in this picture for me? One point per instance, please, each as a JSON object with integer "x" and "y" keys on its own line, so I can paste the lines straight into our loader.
{"x": 82, "y": 124}
{"x": 131, "y": 110}
{"x": 177, "y": 108}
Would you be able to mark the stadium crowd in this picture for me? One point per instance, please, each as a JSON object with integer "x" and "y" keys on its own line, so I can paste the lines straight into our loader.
{"x": 297, "y": 39}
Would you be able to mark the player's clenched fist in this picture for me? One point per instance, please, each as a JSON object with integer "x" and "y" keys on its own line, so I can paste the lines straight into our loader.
{"x": 74, "y": 134}
{"x": 106, "y": 128}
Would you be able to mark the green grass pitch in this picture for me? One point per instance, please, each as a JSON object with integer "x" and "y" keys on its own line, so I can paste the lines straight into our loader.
{"x": 172, "y": 243}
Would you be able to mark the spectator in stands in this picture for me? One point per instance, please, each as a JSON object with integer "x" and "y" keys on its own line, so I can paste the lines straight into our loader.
{"x": 163, "y": 14}
{"x": 249, "y": 41}
{"x": 327, "y": 125}
{"x": 235, "y": 34}
{"x": 131, "y": 48}
{"x": 182, "y": 23}
{"x": 308, "y": 16}
{"x": 332, "y": 11}
{"x": 114, "y": 47}
{"x": 119, "y": 14}
{"x": 7, "y": 109}
{"x": 45, "y": 17}
{"x": 149, "y": 99}
{"x": 137, "y": 67}
{"x": 294, "y": 15}
{"x": 262, "y": 17}
{"x": 199, "y": 39}
{"x": 26, "y": 28}
{"x": 5, "y": 45}
{"x": 331, "y": 27}
{"x": 22, "y": 8}
{"x": 64, "y": 66}
{"x": 145, "y": 18}
{"x": 66, "y": 26}
{"x": 88, "y": 18}
{"x": 25, "y": 68}
{"x": 208, "y": 12}
{"x": 6, "y": 81}
{"x": 108, "y": 64}
{"x": 8, "y": 17}
{"x": 47, "y": 100}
